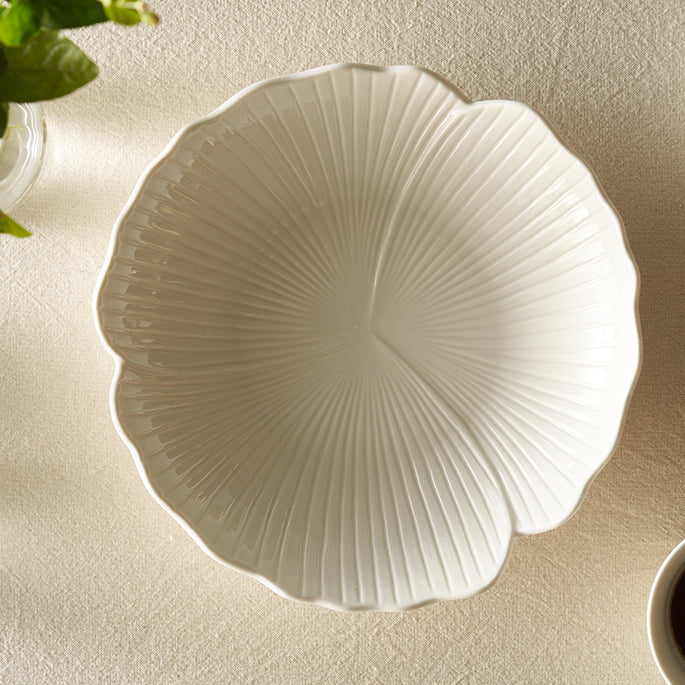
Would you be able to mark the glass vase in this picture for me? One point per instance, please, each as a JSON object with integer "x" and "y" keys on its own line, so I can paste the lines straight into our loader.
{"x": 21, "y": 152}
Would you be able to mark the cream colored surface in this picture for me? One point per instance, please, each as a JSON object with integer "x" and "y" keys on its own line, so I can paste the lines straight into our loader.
{"x": 99, "y": 584}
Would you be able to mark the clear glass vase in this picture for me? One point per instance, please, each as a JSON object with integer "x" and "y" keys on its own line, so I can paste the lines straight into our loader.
{"x": 21, "y": 152}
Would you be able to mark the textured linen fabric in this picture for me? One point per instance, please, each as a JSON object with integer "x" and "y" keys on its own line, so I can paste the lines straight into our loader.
{"x": 99, "y": 585}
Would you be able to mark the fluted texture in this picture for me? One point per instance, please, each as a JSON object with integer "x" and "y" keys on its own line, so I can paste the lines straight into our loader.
{"x": 369, "y": 331}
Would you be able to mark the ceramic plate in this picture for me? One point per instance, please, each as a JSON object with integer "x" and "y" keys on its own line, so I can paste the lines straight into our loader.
{"x": 366, "y": 332}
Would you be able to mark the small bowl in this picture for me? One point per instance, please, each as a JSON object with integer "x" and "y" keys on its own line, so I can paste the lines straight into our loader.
{"x": 667, "y": 656}
{"x": 366, "y": 332}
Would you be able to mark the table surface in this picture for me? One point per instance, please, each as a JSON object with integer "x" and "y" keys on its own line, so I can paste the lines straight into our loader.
{"x": 99, "y": 584}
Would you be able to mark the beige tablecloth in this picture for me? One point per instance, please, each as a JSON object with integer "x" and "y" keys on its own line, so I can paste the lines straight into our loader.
{"x": 98, "y": 584}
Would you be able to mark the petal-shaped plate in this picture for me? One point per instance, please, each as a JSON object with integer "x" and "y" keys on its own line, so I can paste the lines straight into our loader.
{"x": 367, "y": 331}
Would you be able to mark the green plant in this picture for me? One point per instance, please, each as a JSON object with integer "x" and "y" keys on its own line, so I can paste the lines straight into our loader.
{"x": 37, "y": 62}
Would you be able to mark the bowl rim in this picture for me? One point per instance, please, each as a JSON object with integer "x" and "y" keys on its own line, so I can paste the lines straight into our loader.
{"x": 671, "y": 667}
{"x": 120, "y": 362}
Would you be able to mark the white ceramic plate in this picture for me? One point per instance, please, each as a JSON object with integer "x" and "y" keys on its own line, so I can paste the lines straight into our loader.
{"x": 366, "y": 332}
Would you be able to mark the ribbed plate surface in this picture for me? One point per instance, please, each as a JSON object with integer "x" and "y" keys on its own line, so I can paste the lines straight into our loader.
{"x": 367, "y": 331}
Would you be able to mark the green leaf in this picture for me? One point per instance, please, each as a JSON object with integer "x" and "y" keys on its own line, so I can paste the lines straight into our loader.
{"x": 10, "y": 226}
{"x": 129, "y": 12}
{"x": 23, "y": 18}
{"x": 47, "y": 66}
{"x": 18, "y": 22}
{"x": 68, "y": 14}
{"x": 4, "y": 109}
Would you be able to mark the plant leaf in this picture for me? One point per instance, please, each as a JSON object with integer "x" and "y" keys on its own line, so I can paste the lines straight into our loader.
{"x": 129, "y": 12}
{"x": 68, "y": 14}
{"x": 8, "y": 225}
{"x": 47, "y": 66}
{"x": 23, "y": 18}
{"x": 18, "y": 22}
